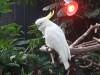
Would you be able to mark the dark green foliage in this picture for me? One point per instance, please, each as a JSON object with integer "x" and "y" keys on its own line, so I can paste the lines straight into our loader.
{"x": 20, "y": 60}
{"x": 4, "y": 6}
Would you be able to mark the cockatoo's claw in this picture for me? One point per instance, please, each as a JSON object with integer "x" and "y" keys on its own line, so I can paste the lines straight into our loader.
{"x": 43, "y": 48}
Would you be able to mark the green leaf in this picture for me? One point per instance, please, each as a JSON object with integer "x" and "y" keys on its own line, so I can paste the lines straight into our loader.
{"x": 13, "y": 65}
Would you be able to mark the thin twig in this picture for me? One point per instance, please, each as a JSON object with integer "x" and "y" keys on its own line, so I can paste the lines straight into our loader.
{"x": 96, "y": 39}
{"x": 86, "y": 44}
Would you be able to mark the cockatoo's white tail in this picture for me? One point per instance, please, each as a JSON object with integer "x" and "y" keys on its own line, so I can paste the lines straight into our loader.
{"x": 65, "y": 56}
{"x": 66, "y": 65}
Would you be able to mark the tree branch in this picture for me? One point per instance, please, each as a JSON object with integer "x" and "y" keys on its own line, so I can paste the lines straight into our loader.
{"x": 84, "y": 35}
{"x": 85, "y": 49}
{"x": 79, "y": 50}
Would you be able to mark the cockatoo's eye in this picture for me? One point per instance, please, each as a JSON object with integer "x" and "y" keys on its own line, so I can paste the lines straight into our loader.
{"x": 41, "y": 23}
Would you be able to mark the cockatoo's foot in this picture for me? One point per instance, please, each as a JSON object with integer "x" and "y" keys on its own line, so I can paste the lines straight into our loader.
{"x": 43, "y": 48}
{"x": 51, "y": 55}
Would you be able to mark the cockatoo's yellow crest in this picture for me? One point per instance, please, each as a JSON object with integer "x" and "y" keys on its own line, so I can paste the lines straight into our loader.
{"x": 50, "y": 15}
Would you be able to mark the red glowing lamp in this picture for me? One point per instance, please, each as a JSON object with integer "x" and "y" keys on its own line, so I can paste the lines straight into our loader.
{"x": 70, "y": 8}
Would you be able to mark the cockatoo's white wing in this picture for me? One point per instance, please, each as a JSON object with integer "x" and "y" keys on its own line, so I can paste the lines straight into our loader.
{"x": 55, "y": 38}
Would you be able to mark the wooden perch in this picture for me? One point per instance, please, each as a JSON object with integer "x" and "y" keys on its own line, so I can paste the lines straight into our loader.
{"x": 80, "y": 50}
{"x": 85, "y": 49}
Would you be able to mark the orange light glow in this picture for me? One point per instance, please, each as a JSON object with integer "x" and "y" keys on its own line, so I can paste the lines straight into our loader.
{"x": 72, "y": 8}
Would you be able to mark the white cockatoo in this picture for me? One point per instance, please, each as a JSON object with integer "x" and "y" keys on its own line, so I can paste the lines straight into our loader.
{"x": 54, "y": 38}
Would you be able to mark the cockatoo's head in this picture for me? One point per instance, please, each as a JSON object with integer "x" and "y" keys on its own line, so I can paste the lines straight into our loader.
{"x": 41, "y": 21}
